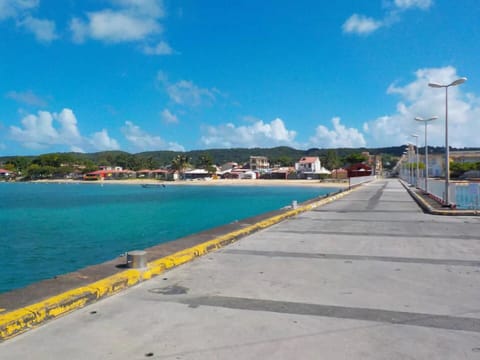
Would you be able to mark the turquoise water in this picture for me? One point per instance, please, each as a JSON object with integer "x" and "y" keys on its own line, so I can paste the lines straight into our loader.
{"x": 52, "y": 229}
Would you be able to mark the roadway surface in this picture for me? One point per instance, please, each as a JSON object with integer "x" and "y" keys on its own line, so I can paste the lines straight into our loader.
{"x": 369, "y": 276}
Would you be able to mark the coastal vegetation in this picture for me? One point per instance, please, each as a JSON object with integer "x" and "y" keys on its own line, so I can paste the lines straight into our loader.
{"x": 62, "y": 164}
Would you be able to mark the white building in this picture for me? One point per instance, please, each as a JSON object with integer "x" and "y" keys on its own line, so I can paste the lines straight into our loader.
{"x": 310, "y": 166}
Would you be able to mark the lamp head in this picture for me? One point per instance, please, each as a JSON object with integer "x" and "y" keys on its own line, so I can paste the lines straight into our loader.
{"x": 458, "y": 81}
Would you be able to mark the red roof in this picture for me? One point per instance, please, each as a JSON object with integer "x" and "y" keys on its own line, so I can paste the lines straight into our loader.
{"x": 308, "y": 159}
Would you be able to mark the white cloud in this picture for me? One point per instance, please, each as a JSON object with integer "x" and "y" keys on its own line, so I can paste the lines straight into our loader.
{"x": 113, "y": 26}
{"x": 186, "y": 92}
{"x": 129, "y": 20}
{"x": 418, "y": 99}
{"x": 408, "y": 4}
{"x": 68, "y": 126}
{"x": 151, "y": 8}
{"x": 144, "y": 141}
{"x": 258, "y": 134}
{"x": 360, "y": 24}
{"x": 15, "y": 8}
{"x": 364, "y": 25}
{"x": 46, "y": 129}
{"x": 168, "y": 117}
{"x": 20, "y": 10}
{"x": 27, "y": 97}
{"x": 162, "y": 48}
{"x": 102, "y": 141}
{"x": 339, "y": 136}
{"x": 44, "y": 30}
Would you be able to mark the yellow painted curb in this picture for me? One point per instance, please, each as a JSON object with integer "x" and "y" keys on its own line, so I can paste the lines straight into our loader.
{"x": 20, "y": 320}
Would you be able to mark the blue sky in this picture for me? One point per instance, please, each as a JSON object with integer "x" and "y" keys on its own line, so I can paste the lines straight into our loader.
{"x": 140, "y": 75}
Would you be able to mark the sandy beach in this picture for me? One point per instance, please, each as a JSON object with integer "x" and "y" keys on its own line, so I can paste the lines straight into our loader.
{"x": 219, "y": 182}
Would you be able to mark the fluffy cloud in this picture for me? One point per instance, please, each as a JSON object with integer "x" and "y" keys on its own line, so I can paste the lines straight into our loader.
{"x": 129, "y": 20}
{"x": 162, "y": 48}
{"x": 144, "y": 141}
{"x": 360, "y": 24}
{"x": 407, "y": 4}
{"x": 15, "y": 8}
{"x": 186, "y": 92}
{"x": 364, "y": 25}
{"x": 44, "y": 30}
{"x": 339, "y": 136}
{"x": 259, "y": 134}
{"x": 46, "y": 129}
{"x": 168, "y": 117}
{"x": 102, "y": 141}
{"x": 27, "y": 97}
{"x": 418, "y": 99}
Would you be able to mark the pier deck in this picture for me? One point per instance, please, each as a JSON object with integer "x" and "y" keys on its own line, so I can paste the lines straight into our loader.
{"x": 368, "y": 276}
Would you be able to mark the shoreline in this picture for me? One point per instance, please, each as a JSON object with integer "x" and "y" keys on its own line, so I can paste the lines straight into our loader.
{"x": 219, "y": 182}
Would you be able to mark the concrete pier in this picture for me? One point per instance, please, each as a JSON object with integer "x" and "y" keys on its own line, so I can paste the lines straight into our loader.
{"x": 368, "y": 276}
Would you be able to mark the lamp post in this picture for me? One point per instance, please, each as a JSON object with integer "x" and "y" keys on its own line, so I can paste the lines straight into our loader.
{"x": 405, "y": 164}
{"x": 425, "y": 121}
{"x": 447, "y": 150}
{"x": 410, "y": 163}
{"x": 416, "y": 158}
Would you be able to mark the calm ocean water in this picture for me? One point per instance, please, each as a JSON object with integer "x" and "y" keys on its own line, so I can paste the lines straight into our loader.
{"x": 52, "y": 229}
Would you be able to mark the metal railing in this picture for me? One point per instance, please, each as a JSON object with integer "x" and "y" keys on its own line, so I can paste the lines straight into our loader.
{"x": 462, "y": 195}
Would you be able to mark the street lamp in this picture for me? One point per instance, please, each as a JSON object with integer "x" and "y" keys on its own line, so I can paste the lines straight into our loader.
{"x": 447, "y": 150}
{"x": 425, "y": 121}
{"x": 416, "y": 157}
{"x": 410, "y": 163}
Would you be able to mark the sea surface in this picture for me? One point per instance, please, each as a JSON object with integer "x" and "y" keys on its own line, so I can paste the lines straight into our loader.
{"x": 52, "y": 229}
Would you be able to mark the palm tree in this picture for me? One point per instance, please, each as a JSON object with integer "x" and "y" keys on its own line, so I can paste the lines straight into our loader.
{"x": 206, "y": 162}
{"x": 180, "y": 163}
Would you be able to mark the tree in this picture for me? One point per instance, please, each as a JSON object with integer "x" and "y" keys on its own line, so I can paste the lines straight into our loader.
{"x": 457, "y": 169}
{"x": 283, "y": 161}
{"x": 331, "y": 160}
{"x": 180, "y": 163}
{"x": 204, "y": 161}
{"x": 355, "y": 158}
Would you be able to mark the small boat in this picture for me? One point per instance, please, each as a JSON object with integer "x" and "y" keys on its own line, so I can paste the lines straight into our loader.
{"x": 153, "y": 185}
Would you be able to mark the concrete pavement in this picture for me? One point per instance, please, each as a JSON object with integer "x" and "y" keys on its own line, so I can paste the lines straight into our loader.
{"x": 369, "y": 276}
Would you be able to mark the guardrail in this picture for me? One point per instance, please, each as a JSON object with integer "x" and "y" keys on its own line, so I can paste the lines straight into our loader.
{"x": 463, "y": 195}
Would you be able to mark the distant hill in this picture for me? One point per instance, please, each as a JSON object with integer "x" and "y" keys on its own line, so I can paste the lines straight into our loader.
{"x": 281, "y": 154}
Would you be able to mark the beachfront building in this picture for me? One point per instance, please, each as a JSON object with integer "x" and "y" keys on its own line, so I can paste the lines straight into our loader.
{"x": 259, "y": 163}
{"x": 6, "y": 174}
{"x": 197, "y": 174}
{"x": 310, "y": 167}
{"x": 228, "y": 166}
{"x": 237, "y": 173}
{"x": 359, "y": 169}
{"x": 110, "y": 175}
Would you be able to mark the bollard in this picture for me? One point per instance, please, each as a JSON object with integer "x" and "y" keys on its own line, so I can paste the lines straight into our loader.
{"x": 137, "y": 259}
{"x": 294, "y": 204}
